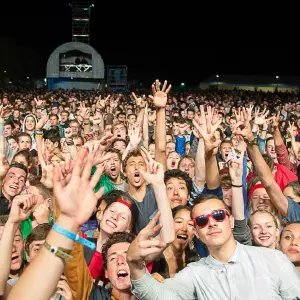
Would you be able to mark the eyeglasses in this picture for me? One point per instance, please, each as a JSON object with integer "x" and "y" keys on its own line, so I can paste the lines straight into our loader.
{"x": 218, "y": 215}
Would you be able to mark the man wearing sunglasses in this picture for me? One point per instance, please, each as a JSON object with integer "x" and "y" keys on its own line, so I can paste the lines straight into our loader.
{"x": 231, "y": 271}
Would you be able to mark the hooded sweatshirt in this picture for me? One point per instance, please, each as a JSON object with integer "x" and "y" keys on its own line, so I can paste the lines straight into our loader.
{"x": 33, "y": 133}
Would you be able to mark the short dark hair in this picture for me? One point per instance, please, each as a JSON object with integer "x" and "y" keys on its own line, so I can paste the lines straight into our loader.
{"x": 113, "y": 150}
{"x": 25, "y": 153}
{"x": 133, "y": 153}
{"x": 19, "y": 166}
{"x": 54, "y": 115}
{"x": 180, "y": 175}
{"x": 39, "y": 233}
{"x": 178, "y": 208}
{"x": 3, "y": 219}
{"x": 116, "y": 238}
{"x": 8, "y": 122}
{"x": 121, "y": 113}
{"x": 208, "y": 197}
{"x": 118, "y": 140}
{"x": 23, "y": 134}
{"x": 53, "y": 136}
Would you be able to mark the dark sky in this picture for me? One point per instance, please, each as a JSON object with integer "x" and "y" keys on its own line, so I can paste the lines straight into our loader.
{"x": 123, "y": 37}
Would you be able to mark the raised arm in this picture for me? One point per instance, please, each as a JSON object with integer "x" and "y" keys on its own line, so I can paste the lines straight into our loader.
{"x": 144, "y": 285}
{"x": 77, "y": 201}
{"x": 261, "y": 167}
{"x": 159, "y": 98}
{"x": 155, "y": 176}
{"x": 22, "y": 207}
{"x": 207, "y": 130}
{"x": 236, "y": 174}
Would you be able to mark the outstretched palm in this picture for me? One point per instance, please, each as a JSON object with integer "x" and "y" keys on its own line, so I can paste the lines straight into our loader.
{"x": 76, "y": 197}
{"x": 160, "y": 97}
{"x": 155, "y": 170}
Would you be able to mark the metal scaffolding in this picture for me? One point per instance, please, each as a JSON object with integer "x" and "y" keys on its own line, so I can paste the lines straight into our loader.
{"x": 81, "y": 16}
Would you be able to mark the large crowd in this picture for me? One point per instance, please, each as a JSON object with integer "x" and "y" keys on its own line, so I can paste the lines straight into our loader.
{"x": 149, "y": 195}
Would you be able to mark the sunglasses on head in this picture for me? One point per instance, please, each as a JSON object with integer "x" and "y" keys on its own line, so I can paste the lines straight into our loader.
{"x": 218, "y": 215}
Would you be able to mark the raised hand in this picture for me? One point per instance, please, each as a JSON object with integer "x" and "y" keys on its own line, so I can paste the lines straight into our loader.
{"x": 47, "y": 176}
{"x": 160, "y": 97}
{"x": 4, "y": 112}
{"x": 155, "y": 171}
{"x": 84, "y": 112}
{"x": 42, "y": 121}
{"x": 238, "y": 114}
{"x": 249, "y": 111}
{"x": 290, "y": 130}
{"x": 38, "y": 102}
{"x": 134, "y": 133}
{"x": 4, "y": 166}
{"x": 260, "y": 118}
{"x": 21, "y": 208}
{"x": 41, "y": 214}
{"x": 144, "y": 246}
{"x": 275, "y": 121}
{"x": 76, "y": 198}
{"x": 206, "y": 129}
{"x": 139, "y": 101}
{"x": 243, "y": 127}
{"x": 235, "y": 164}
{"x": 98, "y": 118}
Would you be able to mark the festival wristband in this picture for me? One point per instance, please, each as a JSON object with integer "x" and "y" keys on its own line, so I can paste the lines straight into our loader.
{"x": 74, "y": 237}
{"x": 59, "y": 252}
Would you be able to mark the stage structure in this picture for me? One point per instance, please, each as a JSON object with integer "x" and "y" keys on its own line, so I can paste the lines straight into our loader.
{"x": 81, "y": 18}
{"x": 75, "y": 65}
{"x": 116, "y": 78}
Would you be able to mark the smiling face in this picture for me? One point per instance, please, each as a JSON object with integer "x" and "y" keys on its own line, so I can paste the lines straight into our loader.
{"x": 118, "y": 271}
{"x": 214, "y": 234}
{"x": 14, "y": 182}
{"x": 116, "y": 218}
{"x": 30, "y": 123}
{"x": 260, "y": 200}
{"x": 184, "y": 229}
{"x": 265, "y": 232}
{"x": 13, "y": 145}
{"x": 177, "y": 191}
{"x": 134, "y": 163}
{"x": 290, "y": 242}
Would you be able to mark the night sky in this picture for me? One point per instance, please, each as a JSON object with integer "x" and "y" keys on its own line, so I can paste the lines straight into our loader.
{"x": 123, "y": 37}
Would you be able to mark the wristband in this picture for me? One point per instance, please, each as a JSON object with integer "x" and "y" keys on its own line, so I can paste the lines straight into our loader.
{"x": 237, "y": 186}
{"x": 39, "y": 132}
{"x": 74, "y": 237}
{"x": 59, "y": 252}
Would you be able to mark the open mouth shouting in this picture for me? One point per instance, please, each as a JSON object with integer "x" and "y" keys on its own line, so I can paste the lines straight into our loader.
{"x": 137, "y": 177}
{"x": 122, "y": 274}
{"x": 15, "y": 259}
{"x": 173, "y": 164}
{"x": 182, "y": 237}
{"x": 113, "y": 171}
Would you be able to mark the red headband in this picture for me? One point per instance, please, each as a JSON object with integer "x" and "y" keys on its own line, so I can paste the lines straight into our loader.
{"x": 124, "y": 202}
{"x": 255, "y": 187}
